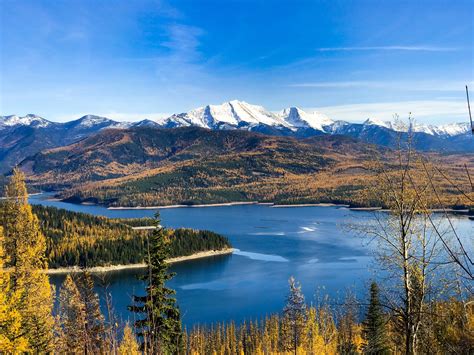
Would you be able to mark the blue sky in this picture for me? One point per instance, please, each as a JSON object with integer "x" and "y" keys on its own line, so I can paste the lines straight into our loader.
{"x": 135, "y": 59}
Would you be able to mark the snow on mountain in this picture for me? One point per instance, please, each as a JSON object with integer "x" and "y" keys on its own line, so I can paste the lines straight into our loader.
{"x": 89, "y": 121}
{"x": 297, "y": 118}
{"x": 144, "y": 123}
{"x": 28, "y": 120}
{"x": 377, "y": 122}
{"x": 232, "y": 114}
{"x": 238, "y": 115}
{"x": 452, "y": 129}
{"x": 339, "y": 127}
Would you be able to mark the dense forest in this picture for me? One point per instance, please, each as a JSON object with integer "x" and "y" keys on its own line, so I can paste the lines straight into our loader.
{"x": 79, "y": 239}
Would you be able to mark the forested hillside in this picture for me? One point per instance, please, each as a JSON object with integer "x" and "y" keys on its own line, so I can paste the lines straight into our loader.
{"x": 79, "y": 239}
{"x": 191, "y": 165}
{"x": 149, "y": 167}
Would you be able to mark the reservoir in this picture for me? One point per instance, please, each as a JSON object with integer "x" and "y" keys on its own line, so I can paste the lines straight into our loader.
{"x": 317, "y": 245}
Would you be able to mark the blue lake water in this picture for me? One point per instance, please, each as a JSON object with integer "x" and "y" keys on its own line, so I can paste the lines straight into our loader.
{"x": 313, "y": 244}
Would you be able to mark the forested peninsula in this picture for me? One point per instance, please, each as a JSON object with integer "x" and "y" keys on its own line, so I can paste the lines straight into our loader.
{"x": 76, "y": 239}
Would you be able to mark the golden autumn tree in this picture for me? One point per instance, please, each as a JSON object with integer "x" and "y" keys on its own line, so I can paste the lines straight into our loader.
{"x": 129, "y": 344}
{"x": 72, "y": 317}
{"x": 11, "y": 335}
{"x": 314, "y": 340}
{"x": 25, "y": 247}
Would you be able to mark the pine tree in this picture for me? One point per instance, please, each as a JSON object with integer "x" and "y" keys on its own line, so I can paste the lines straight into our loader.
{"x": 128, "y": 345}
{"x": 72, "y": 316}
{"x": 160, "y": 327}
{"x": 25, "y": 246}
{"x": 294, "y": 317}
{"x": 11, "y": 336}
{"x": 374, "y": 332}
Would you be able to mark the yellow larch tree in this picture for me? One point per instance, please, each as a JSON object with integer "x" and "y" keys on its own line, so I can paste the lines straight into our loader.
{"x": 25, "y": 247}
{"x": 11, "y": 335}
{"x": 129, "y": 344}
{"x": 72, "y": 317}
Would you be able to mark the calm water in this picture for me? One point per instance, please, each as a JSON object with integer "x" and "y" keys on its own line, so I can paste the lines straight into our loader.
{"x": 313, "y": 244}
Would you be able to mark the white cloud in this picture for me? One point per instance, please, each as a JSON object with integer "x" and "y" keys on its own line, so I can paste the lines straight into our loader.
{"x": 420, "y": 48}
{"x": 183, "y": 39}
{"x": 400, "y": 85}
{"x": 426, "y": 111}
{"x": 337, "y": 84}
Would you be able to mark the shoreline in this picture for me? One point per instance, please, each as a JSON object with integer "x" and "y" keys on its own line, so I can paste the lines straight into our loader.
{"x": 103, "y": 269}
{"x": 185, "y": 206}
{"x": 366, "y": 208}
{"x": 270, "y": 204}
{"x": 240, "y": 203}
{"x": 322, "y": 204}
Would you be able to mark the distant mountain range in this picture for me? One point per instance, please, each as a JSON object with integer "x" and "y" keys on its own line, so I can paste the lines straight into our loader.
{"x": 21, "y": 137}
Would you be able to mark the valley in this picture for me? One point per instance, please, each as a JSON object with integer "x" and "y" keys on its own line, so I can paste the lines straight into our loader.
{"x": 189, "y": 165}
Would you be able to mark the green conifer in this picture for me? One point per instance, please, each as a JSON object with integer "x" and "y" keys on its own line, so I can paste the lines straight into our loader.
{"x": 160, "y": 325}
{"x": 374, "y": 332}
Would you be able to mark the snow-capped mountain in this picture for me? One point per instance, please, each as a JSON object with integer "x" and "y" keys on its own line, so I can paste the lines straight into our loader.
{"x": 89, "y": 121}
{"x": 242, "y": 115}
{"x": 24, "y": 136}
{"x": 377, "y": 122}
{"x": 95, "y": 123}
{"x": 232, "y": 114}
{"x": 238, "y": 115}
{"x": 28, "y": 120}
{"x": 297, "y": 118}
{"x": 144, "y": 123}
{"x": 452, "y": 129}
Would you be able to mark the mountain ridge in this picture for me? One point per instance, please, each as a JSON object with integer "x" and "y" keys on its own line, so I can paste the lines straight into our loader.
{"x": 21, "y": 137}
{"x": 239, "y": 114}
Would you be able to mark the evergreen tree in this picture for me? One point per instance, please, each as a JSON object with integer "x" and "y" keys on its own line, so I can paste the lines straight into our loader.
{"x": 374, "y": 332}
{"x": 128, "y": 345}
{"x": 72, "y": 317}
{"x": 160, "y": 327}
{"x": 25, "y": 246}
{"x": 294, "y": 317}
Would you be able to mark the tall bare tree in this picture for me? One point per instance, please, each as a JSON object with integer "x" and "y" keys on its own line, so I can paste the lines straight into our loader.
{"x": 407, "y": 247}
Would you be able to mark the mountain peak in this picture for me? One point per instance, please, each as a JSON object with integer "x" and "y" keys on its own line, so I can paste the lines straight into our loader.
{"x": 145, "y": 123}
{"x": 298, "y": 118}
{"x": 377, "y": 122}
{"x": 90, "y": 117}
{"x": 88, "y": 121}
{"x": 28, "y": 120}
{"x": 230, "y": 114}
